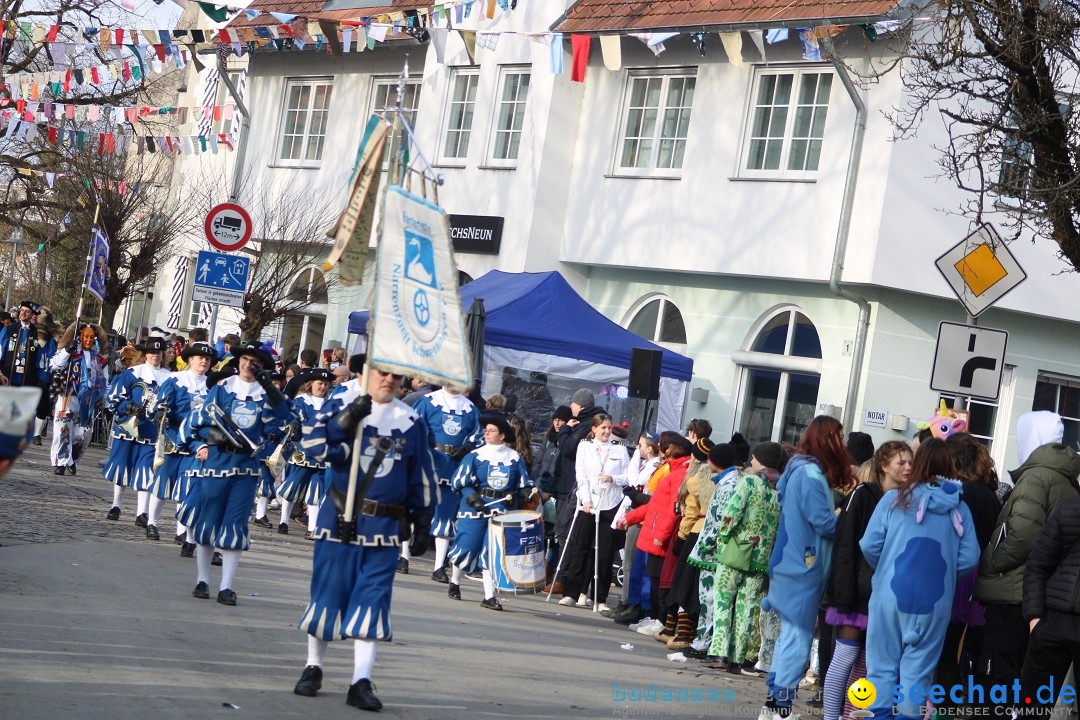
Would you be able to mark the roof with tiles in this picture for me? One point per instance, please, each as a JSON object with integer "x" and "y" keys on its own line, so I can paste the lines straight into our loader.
{"x": 319, "y": 10}
{"x": 647, "y": 15}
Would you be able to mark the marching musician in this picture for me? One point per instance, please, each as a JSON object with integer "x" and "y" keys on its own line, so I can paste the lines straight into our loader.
{"x": 265, "y": 491}
{"x": 134, "y": 433}
{"x": 26, "y": 347}
{"x": 80, "y": 378}
{"x": 355, "y": 557}
{"x": 485, "y": 478}
{"x": 225, "y": 434}
{"x": 301, "y": 472}
{"x": 180, "y": 395}
{"x": 454, "y": 425}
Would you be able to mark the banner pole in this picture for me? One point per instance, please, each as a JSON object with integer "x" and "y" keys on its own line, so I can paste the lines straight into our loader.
{"x": 89, "y": 259}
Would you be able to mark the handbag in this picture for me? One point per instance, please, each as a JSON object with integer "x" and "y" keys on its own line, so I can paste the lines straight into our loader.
{"x": 736, "y": 554}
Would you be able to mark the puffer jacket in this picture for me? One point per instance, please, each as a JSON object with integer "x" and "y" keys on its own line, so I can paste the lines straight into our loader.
{"x": 850, "y": 574}
{"x": 1052, "y": 577}
{"x": 658, "y": 517}
{"x": 1047, "y": 478}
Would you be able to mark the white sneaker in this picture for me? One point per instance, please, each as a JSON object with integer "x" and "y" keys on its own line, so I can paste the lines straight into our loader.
{"x": 644, "y": 621}
{"x": 603, "y": 609}
{"x": 567, "y": 601}
{"x": 651, "y": 629}
{"x": 768, "y": 714}
{"x": 582, "y": 601}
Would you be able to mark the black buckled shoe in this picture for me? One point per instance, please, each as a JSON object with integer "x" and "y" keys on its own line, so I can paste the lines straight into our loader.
{"x": 216, "y": 560}
{"x": 440, "y": 576}
{"x": 491, "y": 603}
{"x": 201, "y": 591}
{"x": 142, "y": 520}
{"x": 283, "y": 529}
{"x": 114, "y": 514}
{"x": 262, "y": 522}
{"x": 188, "y": 550}
{"x": 181, "y": 539}
{"x": 454, "y": 591}
{"x": 226, "y": 597}
{"x": 310, "y": 681}
{"x": 403, "y": 566}
{"x": 152, "y": 533}
{"x": 361, "y": 696}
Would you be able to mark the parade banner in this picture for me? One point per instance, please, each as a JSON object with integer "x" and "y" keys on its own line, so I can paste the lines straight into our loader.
{"x": 355, "y": 221}
{"x": 418, "y": 329}
{"x": 98, "y": 269}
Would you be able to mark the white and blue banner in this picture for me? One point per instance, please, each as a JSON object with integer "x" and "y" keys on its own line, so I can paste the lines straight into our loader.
{"x": 418, "y": 328}
{"x": 98, "y": 271}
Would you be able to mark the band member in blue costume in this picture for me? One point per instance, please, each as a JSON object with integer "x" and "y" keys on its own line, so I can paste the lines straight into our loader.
{"x": 301, "y": 471}
{"x": 80, "y": 378}
{"x": 226, "y": 436}
{"x": 131, "y": 455}
{"x": 355, "y": 557}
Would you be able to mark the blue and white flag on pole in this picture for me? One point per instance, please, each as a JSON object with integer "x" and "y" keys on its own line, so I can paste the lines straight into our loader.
{"x": 418, "y": 329}
{"x": 98, "y": 270}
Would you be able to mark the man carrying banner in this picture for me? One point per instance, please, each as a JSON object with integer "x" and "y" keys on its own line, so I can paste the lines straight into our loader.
{"x": 80, "y": 377}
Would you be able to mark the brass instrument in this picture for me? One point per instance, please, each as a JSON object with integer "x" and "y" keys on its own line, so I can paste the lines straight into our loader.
{"x": 164, "y": 444}
{"x": 131, "y": 425}
{"x": 228, "y": 429}
{"x": 276, "y": 462}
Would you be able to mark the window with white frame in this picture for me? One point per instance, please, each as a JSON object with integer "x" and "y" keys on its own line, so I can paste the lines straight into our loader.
{"x": 655, "y": 121}
{"x": 509, "y": 115}
{"x": 385, "y": 96}
{"x": 303, "y": 125}
{"x": 1060, "y": 394}
{"x": 787, "y": 123}
{"x": 459, "y": 113}
{"x": 658, "y": 320}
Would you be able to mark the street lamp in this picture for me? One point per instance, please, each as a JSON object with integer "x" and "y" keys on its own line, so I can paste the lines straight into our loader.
{"x": 16, "y": 238}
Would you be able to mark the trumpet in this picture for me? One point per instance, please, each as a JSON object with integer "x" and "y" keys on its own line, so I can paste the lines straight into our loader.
{"x": 276, "y": 462}
{"x": 131, "y": 424}
{"x": 164, "y": 444}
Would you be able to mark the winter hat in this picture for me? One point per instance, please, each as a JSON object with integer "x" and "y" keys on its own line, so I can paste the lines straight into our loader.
{"x": 769, "y": 454}
{"x": 722, "y": 456}
{"x": 682, "y": 443}
{"x": 742, "y": 449}
{"x": 563, "y": 413}
{"x": 584, "y": 398}
{"x": 860, "y": 447}
{"x": 701, "y": 449}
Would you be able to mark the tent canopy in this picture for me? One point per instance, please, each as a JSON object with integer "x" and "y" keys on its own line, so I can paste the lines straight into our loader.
{"x": 541, "y": 313}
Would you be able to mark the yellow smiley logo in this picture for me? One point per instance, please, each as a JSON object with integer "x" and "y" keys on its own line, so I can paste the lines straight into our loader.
{"x": 862, "y": 693}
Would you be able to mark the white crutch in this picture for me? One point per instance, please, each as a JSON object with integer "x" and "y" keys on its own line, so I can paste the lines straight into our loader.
{"x": 566, "y": 546}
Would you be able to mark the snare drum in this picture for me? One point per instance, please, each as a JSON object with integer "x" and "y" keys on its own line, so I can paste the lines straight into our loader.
{"x": 516, "y": 544}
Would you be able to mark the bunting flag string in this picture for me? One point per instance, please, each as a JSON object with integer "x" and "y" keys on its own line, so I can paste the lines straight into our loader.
{"x": 45, "y": 110}
{"x": 106, "y": 143}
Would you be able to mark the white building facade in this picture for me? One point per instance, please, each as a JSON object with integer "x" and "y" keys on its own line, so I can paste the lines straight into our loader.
{"x": 696, "y": 201}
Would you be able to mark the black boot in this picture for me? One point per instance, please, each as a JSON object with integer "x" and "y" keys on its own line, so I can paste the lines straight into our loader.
{"x": 361, "y": 695}
{"x": 310, "y": 681}
{"x": 454, "y": 591}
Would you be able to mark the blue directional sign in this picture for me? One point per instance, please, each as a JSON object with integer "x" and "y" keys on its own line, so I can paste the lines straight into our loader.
{"x": 220, "y": 278}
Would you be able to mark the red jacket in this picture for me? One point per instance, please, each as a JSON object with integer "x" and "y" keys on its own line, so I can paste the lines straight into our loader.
{"x": 657, "y": 517}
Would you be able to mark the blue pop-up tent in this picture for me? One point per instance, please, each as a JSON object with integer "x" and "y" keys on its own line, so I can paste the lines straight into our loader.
{"x": 538, "y": 322}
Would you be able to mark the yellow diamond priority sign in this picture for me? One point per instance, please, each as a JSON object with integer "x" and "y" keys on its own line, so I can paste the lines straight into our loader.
{"x": 980, "y": 269}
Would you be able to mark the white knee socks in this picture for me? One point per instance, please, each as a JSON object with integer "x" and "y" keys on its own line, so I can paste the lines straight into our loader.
{"x": 364, "y": 659}
{"x": 203, "y": 555}
{"x": 442, "y": 547}
{"x": 312, "y": 517}
{"x": 455, "y": 574}
{"x": 230, "y": 560}
{"x": 405, "y": 551}
{"x": 117, "y": 495}
{"x": 155, "y": 510}
{"x": 181, "y": 529}
{"x": 489, "y": 585}
{"x": 286, "y": 511}
{"x": 316, "y": 649}
{"x": 144, "y": 502}
{"x": 39, "y": 425}
{"x": 260, "y": 507}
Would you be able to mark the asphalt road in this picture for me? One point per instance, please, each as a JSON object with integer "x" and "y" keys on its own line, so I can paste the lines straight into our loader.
{"x": 97, "y": 622}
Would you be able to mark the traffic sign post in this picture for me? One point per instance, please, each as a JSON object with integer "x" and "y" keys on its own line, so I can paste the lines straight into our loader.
{"x": 221, "y": 279}
{"x": 969, "y": 360}
{"x": 228, "y": 227}
{"x": 980, "y": 269}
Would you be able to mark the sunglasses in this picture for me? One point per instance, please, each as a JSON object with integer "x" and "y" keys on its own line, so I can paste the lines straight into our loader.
{"x": 393, "y": 375}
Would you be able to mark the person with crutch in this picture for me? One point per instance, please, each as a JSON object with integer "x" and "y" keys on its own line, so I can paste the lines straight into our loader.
{"x": 601, "y": 468}
{"x": 489, "y": 480}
